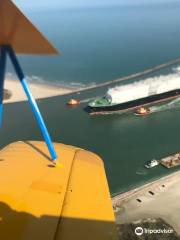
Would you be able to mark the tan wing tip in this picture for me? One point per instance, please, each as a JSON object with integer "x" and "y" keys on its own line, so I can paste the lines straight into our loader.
{"x": 19, "y": 32}
{"x": 52, "y": 51}
{"x": 56, "y": 52}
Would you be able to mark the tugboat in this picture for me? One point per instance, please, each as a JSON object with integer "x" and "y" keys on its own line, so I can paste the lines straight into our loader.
{"x": 142, "y": 111}
{"x": 152, "y": 163}
{"x": 73, "y": 102}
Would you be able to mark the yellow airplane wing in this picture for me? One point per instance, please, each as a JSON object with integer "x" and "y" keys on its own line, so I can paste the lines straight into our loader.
{"x": 16, "y": 30}
{"x": 40, "y": 201}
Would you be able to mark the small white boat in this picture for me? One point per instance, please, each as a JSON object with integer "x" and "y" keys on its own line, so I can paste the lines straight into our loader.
{"x": 152, "y": 163}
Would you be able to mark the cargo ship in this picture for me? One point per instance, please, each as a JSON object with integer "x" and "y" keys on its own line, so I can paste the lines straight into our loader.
{"x": 135, "y": 95}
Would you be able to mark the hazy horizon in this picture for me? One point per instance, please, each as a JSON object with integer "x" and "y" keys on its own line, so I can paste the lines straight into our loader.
{"x": 88, "y": 3}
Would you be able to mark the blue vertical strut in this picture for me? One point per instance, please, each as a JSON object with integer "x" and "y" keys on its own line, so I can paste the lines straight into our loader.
{"x": 32, "y": 102}
{"x": 2, "y": 75}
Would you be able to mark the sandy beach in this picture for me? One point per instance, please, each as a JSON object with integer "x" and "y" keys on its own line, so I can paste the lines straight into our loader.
{"x": 39, "y": 91}
{"x": 159, "y": 199}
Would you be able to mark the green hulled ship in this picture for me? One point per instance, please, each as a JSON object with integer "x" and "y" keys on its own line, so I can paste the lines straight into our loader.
{"x": 131, "y": 96}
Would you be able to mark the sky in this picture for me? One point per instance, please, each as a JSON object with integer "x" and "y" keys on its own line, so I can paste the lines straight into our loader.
{"x": 83, "y": 3}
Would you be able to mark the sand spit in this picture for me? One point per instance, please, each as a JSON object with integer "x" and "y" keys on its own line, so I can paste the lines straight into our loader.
{"x": 39, "y": 91}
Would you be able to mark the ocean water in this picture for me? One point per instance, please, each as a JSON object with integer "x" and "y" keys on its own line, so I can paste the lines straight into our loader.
{"x": 99, "y": 44}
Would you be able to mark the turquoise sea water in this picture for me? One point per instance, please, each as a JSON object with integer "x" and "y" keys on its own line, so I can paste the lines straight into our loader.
{"x": 96, "y": 45}
{"x": 103, "y": 43}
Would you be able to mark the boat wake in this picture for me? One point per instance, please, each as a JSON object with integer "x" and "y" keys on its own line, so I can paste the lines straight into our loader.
{"x": 170, "y": 105}
{"x": 141, "y": 172}
{"x": 87, "y": 100}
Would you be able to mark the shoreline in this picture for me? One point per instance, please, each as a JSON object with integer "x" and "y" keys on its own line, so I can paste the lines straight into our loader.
{"x": 39, "y": 91}
{"x": 157, "y": 199}
{"x": 125, "y": 196}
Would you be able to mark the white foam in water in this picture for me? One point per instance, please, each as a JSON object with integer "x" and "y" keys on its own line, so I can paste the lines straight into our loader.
{"x": 77, "y": 84}
{"x": 141, "y": 172}
{"x": 145, "y": 88}
{"x": 177, "y": 70}
{"x": 87, "y": 100}
{"x": 36, "y": 79}
{"x": 81, "y": 85}
{"x": 39, "y": 80}
{"x": 170, "y": 105}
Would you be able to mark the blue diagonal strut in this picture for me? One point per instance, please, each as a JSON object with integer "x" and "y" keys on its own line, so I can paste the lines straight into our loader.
{"x": 2, "y": 75}
{"x": 32, "y": 102}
